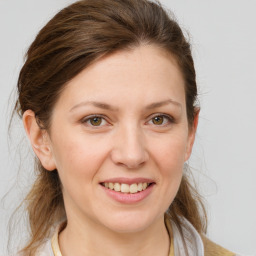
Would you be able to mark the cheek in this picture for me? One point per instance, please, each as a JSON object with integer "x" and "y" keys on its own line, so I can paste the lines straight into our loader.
{"x": 170, "y": 152}
{"x": 169, "y": 156}
{"x": 78, "y": 157}
{"x": 78, "y": 162}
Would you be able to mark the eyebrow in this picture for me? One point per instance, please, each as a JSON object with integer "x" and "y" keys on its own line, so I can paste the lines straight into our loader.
{"x": 95, "y": 104}
{"x": 103, "y": 105}
{"x": 163, "y": 103}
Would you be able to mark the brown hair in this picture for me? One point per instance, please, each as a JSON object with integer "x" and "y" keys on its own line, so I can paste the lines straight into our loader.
{"x": 77, "y": 36}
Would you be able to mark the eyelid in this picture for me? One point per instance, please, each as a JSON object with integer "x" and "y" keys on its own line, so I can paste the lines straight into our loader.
{"x": 170, "y": 119}
{"x": 84, "y": 120}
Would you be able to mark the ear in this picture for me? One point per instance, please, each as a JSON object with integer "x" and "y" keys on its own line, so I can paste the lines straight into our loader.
{"x": 192, "y": 134}
{"x": 39, "y": 140}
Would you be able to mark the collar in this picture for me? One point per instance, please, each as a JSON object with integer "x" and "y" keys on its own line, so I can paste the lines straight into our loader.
{"x": 191, "y": 239}
{"x": 55, "y": 239}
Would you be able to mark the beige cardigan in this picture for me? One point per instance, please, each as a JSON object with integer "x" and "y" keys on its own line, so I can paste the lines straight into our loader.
{"x": 212, "y": 249}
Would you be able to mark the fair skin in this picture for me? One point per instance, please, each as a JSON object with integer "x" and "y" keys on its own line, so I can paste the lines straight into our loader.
{"x": 121, "y": 120}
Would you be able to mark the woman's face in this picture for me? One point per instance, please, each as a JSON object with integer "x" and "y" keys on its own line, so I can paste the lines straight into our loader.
{"x": 121, "y": 125}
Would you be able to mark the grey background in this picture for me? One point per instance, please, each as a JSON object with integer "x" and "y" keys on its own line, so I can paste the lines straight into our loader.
{"x": 224, "y": 47}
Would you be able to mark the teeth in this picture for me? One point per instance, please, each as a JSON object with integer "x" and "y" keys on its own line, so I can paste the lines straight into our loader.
{"x": 117, "y": 187}
{"x": 111, "y": 185}
{"x": 144, "y": 186}
{"x": 133, "y": 188}
{"x": 125, "y": 188}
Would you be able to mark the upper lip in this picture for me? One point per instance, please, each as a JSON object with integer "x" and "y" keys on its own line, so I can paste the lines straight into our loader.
{"x": 129, "y": 181}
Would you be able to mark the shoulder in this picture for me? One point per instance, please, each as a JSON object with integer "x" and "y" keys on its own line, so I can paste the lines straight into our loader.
{"x": 213, "y": 249}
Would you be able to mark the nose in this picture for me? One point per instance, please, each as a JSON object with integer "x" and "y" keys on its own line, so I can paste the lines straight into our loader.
{"x": 129, "y": 149}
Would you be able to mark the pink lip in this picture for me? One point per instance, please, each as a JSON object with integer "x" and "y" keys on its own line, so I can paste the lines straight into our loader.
{"x": 128, "y": 181}
{"x": 127, "y": 198}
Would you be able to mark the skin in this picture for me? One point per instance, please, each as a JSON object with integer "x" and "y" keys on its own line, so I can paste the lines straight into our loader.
{"x": 128, "y": 143}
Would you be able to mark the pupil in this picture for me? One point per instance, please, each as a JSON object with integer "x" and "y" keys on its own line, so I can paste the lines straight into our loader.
{"x": 158, "y": 120}
{"x": 96, "y": 121}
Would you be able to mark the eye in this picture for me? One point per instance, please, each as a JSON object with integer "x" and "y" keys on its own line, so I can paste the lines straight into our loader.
{"x": 158, "y": 120}
{"x": 96, "y": 121}
{"x": 161, "y": 120}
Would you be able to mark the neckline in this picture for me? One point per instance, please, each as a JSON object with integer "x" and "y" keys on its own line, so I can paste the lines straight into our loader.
{"x": 55, "y": 238}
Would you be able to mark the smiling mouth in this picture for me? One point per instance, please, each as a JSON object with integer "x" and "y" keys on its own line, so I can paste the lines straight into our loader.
{"x": 126, "y": 188}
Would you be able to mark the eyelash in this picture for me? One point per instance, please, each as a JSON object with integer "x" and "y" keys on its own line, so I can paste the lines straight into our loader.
{"x": 90, "y": 118}
{"x": 167, "y": 120}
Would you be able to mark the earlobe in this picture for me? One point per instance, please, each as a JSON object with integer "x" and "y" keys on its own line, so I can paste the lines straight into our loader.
{"x": 39, "y": 140}
{"x": 192, "y": 134}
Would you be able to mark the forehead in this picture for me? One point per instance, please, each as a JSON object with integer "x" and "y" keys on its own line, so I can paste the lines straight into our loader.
{"x": 138, "y": 75}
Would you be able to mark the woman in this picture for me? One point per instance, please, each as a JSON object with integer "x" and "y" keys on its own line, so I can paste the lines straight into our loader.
{"x": 108, "y": 100}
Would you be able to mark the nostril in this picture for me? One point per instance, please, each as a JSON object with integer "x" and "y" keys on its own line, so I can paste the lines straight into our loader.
{"x": 129, "y": 153}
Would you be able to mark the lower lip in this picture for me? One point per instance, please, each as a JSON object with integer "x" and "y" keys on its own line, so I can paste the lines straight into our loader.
{"x": 127, "y": 198}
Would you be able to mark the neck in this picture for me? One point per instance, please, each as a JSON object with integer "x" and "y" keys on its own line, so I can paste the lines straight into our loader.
{"x": 88, "y": 238}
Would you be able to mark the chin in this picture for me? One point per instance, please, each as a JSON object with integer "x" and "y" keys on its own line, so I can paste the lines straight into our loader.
{"x": 129, "y": 222}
